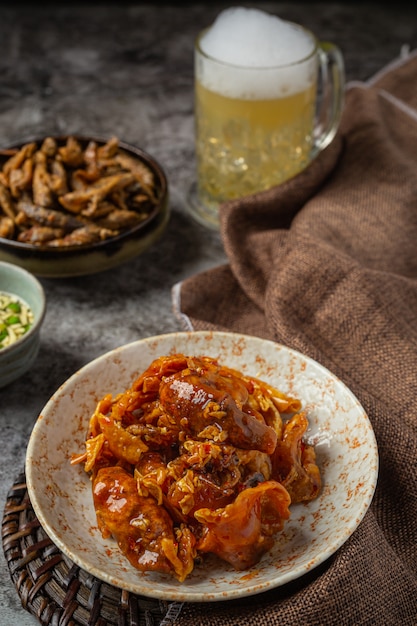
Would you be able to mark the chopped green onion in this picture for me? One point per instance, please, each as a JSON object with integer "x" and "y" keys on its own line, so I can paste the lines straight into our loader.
{"x": 12, "y": 319}
{"x": 14, "y": 306}
{"x": 16, "y": 318}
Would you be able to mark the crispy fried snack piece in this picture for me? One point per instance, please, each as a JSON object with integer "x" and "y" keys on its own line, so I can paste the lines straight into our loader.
{"x": 243, "y": 531}
{"x": 198, "y": 402}
{"x": 294, "y": 461}
{"x": 143, "y": 530}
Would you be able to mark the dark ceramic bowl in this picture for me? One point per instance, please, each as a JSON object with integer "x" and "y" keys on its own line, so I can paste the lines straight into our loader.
{"x": 76, "y": 260}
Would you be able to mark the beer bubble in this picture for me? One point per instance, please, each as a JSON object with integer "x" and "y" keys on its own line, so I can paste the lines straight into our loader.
{"x": 243, "y": 44}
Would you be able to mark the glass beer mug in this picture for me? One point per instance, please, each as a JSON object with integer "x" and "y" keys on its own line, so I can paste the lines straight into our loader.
{"x": 259, "y": 123}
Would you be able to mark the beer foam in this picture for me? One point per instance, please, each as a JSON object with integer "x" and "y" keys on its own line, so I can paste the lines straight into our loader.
{"x": 259, "y": 46}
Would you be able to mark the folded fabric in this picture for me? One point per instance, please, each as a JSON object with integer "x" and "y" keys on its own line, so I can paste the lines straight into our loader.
{"x": 327, "y": 264}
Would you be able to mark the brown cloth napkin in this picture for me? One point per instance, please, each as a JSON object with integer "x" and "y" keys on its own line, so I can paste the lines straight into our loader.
{"x": 327, "y": 264}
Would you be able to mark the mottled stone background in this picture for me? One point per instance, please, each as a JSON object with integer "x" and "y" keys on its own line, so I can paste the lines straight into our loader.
{"x": 126, "y": 69}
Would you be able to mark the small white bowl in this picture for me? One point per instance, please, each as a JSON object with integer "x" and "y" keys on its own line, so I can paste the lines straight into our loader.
{"x": 18, "y": 358}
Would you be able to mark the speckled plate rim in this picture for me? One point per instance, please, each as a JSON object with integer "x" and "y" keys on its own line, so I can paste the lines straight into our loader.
{"x": 346, "y": 451}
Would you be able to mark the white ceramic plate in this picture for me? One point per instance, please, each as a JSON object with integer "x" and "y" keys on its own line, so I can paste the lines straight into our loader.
{"x": 346, "y": 453}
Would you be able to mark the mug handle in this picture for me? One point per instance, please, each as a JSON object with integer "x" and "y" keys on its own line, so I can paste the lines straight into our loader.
{"x": 331, "y": 86}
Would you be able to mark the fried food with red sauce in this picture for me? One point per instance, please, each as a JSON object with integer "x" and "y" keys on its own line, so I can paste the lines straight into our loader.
{"x": 194, "y": 458}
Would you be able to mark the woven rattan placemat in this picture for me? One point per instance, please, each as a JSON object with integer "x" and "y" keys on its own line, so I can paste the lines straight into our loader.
{"x": 54, "y": 589}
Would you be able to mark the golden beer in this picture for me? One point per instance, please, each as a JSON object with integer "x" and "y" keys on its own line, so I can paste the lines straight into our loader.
{"x": 247, "y": 145}
{"x": 261, "y": 85}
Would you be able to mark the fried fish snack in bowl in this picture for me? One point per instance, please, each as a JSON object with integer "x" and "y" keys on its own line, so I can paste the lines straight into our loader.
{"x": 74, "y": 205}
